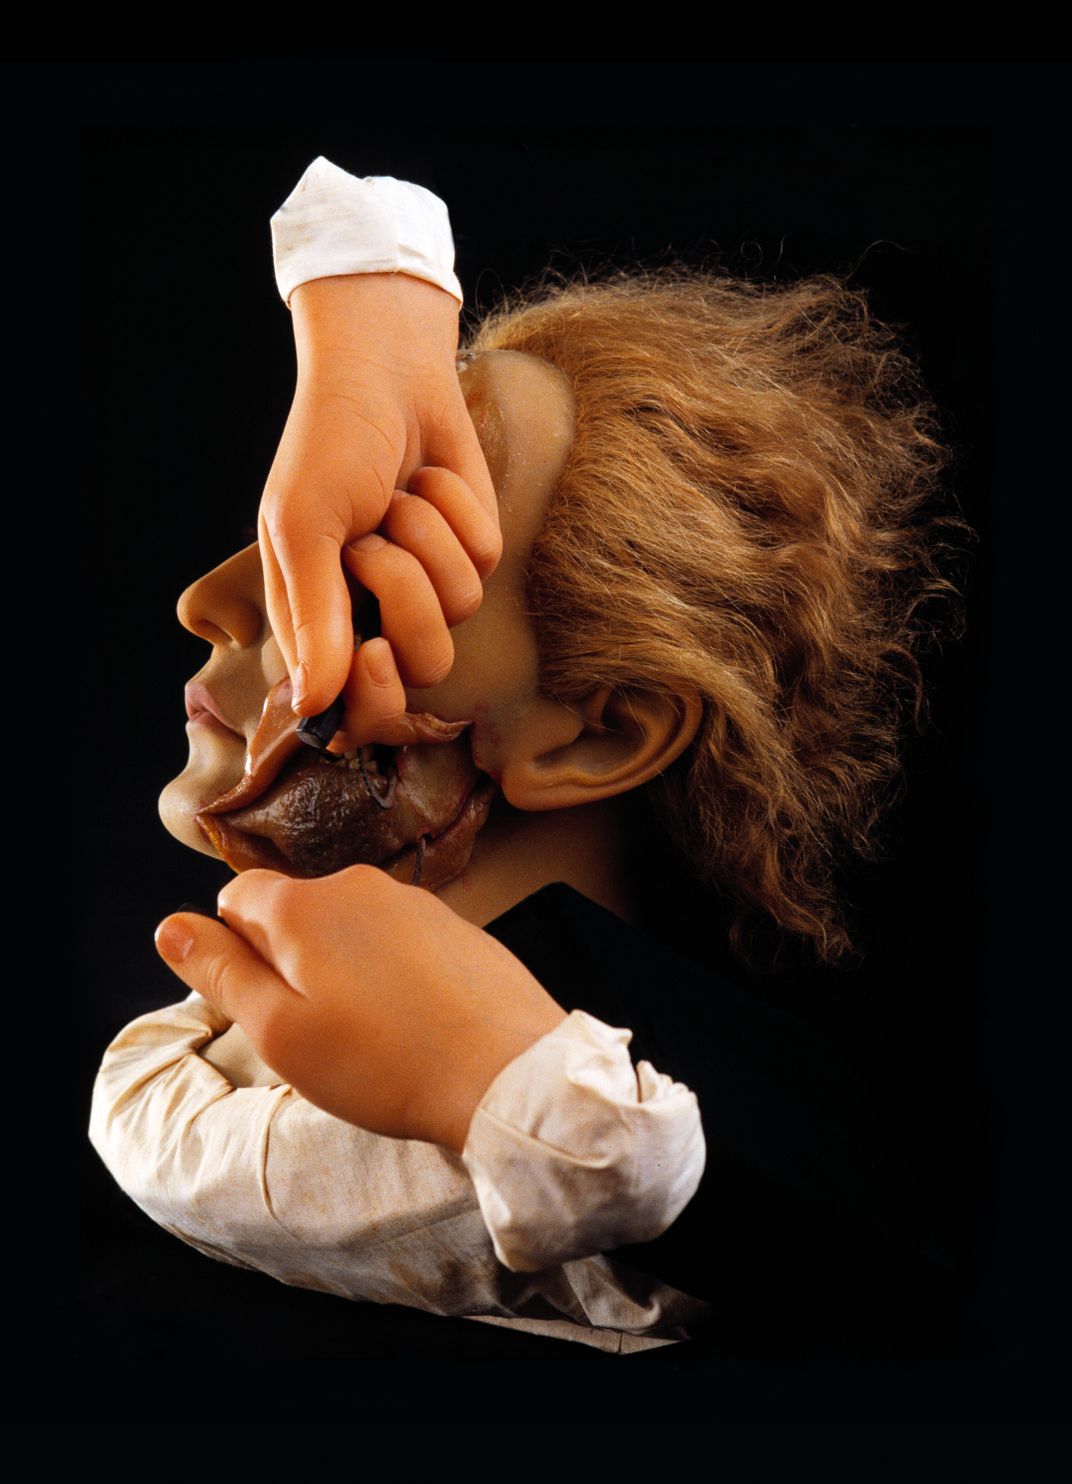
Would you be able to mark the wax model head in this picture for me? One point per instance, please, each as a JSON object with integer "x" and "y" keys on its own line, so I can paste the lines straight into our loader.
{"x": 713, "y": 496}
{"x": 251, "y": 793}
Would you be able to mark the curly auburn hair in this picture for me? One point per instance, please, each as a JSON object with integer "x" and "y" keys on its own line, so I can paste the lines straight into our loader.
{"x": 745, "y": 514}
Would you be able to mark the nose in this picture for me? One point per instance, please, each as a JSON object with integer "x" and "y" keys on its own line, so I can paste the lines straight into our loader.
{"x": 226, "y": 606}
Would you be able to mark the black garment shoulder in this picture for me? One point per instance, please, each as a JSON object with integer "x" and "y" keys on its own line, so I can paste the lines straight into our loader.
{"x": 808, "y": 1217}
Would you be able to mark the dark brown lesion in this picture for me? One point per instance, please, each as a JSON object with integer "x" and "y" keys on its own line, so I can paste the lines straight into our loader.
{"x": 379, "y": 772}
{"x": 415, "y": 810}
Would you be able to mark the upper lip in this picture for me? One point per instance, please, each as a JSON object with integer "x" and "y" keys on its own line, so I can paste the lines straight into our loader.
{"x": 199, "y": 698}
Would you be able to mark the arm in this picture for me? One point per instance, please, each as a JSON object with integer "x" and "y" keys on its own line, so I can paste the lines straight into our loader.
{"x": 573, "y": 1098}
{"x": 332, "y": 224}
{"x": 392, "y": 1013}
{"x": 808, "y": 1216}
{"x": 367, "y": 268}
{"x": 260, "y": 1178}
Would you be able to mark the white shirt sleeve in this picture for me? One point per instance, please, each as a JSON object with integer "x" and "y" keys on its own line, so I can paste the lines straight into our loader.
{"x": 335, "y": 223}
{"x": 573, "y": 1150}
{"x": 260, "y": 1178}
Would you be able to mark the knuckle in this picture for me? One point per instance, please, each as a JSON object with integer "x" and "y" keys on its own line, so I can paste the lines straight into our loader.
{"x": 426, "y": 479}
{"x": 287, "y": 905}
{"x": 254, "y": 885}
{"x": 432, "y": 481}
{"x": 463, "y": 605}
{"x": 214, "y": 968}
{"x": 389, "y": 713}
{"x": 413, "y": 516}
{"x": 264, "y": 901}
{"x": 399, "y": 561}
{"x": 431, "y": 672}
{"x": 486, "y": 552}
{"x": 273, "y": 1036}
{"x": 368, "y": 882}
{"x": 303, "y": 624}
{"x": 274, "y": 523}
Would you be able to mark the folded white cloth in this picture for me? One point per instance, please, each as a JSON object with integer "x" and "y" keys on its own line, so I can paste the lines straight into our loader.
{"x": 335, "y": 223}
{"x": 573, "y": 1150}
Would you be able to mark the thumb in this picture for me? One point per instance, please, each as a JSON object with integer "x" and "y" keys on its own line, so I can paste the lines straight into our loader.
{"x": 310, "y": 615}
{"x": 219, "y": 964}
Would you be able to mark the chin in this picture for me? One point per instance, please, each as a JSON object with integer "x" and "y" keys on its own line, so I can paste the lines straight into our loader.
{"x": 214, "y": 764}
{"x": 414, "y": 810}
{"x": 178, "y": 806}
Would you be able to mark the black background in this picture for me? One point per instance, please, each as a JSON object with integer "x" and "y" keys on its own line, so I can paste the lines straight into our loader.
{"x": 929, "y": 182}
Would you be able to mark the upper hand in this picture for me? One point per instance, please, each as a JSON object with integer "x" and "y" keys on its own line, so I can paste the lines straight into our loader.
{"x": 378, "y": 409}
{"x": 373, "y": 999}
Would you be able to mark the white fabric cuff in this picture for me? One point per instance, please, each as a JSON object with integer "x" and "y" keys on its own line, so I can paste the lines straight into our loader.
{"x": 335, "y": 223}
{"x": 573, "y": 1151}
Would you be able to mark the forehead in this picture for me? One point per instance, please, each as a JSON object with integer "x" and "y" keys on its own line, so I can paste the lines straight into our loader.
{"x": 522, "y": 409}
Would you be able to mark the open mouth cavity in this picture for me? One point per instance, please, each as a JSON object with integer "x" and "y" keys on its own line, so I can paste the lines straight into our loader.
{"x": 414, "y": 810}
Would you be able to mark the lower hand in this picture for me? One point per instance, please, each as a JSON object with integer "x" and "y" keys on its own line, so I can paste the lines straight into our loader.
{"x": 373, "y": 999}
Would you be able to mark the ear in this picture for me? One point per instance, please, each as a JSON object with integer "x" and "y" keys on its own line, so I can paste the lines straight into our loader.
{"x": 615, "y": 741}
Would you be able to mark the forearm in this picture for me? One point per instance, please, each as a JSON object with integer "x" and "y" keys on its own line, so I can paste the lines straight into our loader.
{"x": 258, "y": 1177}
{"x": 354, "y": 320}
{"x": 367, "y": 268}
{"x": 364, "y": 264}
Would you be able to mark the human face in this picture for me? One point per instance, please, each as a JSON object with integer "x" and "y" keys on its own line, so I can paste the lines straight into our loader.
{"x": 317, "y": 816}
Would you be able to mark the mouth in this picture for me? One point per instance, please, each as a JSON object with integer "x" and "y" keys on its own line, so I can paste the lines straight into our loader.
{"x": 202, "y": 704}
{"x": 414, "y": 810}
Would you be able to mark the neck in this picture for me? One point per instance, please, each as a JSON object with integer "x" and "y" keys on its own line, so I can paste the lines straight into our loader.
{"x": 518, "y": 852}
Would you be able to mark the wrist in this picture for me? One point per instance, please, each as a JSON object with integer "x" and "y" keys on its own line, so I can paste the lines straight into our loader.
{"x": 489, "y": 1051}
{"x": 387, "y": 317}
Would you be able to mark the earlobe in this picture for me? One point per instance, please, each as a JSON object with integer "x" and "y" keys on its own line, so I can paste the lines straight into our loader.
{"x": 613, "y": 742}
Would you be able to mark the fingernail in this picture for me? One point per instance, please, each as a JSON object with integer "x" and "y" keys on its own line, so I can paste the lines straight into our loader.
{"x": 367, "y": 543}
{"x": 173, "y": 941}
{"x": 300, "y": 685}
{"x": 381, "y": 665}
{"x": 195, "y": 907}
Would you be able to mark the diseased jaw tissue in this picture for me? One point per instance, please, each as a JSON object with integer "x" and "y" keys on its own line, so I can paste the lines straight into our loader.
{"x": 414, "y": 809}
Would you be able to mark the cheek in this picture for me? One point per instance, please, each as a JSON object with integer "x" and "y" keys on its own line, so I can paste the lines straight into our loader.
{"x": 492, "y": 684}
{"x": 487, "y": 741}
{"x": 273, "y": 667}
